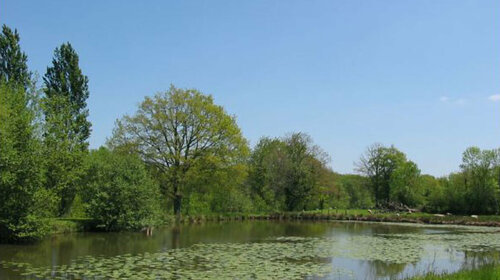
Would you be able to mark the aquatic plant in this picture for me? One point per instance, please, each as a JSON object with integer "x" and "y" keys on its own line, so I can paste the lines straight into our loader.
{"x": 291, "y": 257}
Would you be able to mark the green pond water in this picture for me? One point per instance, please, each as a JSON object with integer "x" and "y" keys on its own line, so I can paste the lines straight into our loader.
{"x": 256, "y": 250}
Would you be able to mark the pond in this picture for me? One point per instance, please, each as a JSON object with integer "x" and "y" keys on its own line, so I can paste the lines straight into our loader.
{"x": 256, "y": 250}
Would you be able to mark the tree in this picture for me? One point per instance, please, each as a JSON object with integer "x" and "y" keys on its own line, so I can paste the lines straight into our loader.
{"x": 432, "y": 190}
{"x": 307, "y": 162}
{"x": 267, "y": 165}
{"x": 289, "y": 174}
{"x": 119, "y": 193}
{"x": 212, "y": 187}
{"x": 66, "y": 128}
{"x": 378, "y": 163}
{"x": 358, "y": 190}
{"x": 63, "y": 154}
{"x": 65, "y": 79}
{"x": 455, "y": 193}
{"x": 176, "y": 130}
{"x": 480, "y": 180}
{"x": 13, "y": 62}
{"x": 20, "y": 176}
{"x": 496, "y": 174}
{"x": 329, "y": 192}
{"x": 404, "y": 184}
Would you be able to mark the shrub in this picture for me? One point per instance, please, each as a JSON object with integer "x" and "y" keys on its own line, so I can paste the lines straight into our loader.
{"x": 119, "y": 192}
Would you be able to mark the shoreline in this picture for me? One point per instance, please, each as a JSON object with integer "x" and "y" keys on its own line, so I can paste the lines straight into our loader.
{"x": 414, "y": 218}
{"x": 68, "y": 225}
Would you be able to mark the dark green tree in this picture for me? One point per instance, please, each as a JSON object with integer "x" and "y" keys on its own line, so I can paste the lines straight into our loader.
{"x": 432, "y": 190}
{"x": 358, "y": 189}
{"x": 289, "y": 174}
{"x": 66, "y": 129}
{"x": 13, "y": 62}
{"x": 378, "y": 163}
{"x": 266, "y": 183}
{"x": 307, "y": 163}
{"x": 65, "y": 79}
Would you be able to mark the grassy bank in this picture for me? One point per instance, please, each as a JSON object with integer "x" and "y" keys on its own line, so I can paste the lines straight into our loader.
{"x": 352, "y": 215}
{"x": 67, "y": 225}
{"x": 484, "y": 273}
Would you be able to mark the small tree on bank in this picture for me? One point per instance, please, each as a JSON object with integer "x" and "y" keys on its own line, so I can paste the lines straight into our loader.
{"x": 119, "y": 193}
{"x": 176, "y": 130}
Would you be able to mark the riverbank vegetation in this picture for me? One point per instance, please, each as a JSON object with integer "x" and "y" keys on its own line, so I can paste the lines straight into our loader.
{"x": 487, "y": 272}
{"x": 181, "y": 154}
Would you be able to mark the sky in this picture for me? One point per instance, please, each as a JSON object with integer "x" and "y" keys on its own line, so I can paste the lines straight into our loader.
{"x": 421, "y": 75}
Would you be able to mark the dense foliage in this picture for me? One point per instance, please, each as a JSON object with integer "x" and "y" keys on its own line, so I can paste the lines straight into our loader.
{"x": 118, "y": 191}
{"x": 182, "y": 151}
{"x": 180, "y": 132}
{"x": 20, "y": 172}
{"x": 290, "y": 174}
{"x": 13, "y": 67}
{"x": 66, "y": 126}
{"x": 474, "y": 190}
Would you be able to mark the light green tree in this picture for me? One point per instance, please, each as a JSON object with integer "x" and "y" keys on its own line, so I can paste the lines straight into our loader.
{"x": 175, "y": 131}
{"x": 63, "y": 154}
{"x": 213, "y": 187}
{"x": 119, "y": 192}
{"x": 405, "y": 183}
{"x": 480, "y": 180}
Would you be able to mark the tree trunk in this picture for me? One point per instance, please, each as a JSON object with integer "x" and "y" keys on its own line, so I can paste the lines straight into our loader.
{"x": 177, "y": 205}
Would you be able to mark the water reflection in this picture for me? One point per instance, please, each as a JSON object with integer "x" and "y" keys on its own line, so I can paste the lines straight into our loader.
{"x": 442, "y": 256}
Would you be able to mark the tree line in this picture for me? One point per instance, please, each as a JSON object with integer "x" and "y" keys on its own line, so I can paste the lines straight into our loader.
{"x": 180, "y": 153}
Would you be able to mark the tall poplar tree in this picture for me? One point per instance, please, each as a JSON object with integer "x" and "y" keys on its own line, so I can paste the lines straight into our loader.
{"x": 13, "y": 62}
{"x": 65, "y": 79}
{"x": 66, "y": 126}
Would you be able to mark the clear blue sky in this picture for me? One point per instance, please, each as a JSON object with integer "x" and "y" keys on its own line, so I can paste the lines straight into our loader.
{"x": 422, "y": 75}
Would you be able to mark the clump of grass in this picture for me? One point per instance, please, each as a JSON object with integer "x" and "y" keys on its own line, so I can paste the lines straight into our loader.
{"x": 64, "y": 225}
{"x": 488, "y": 272}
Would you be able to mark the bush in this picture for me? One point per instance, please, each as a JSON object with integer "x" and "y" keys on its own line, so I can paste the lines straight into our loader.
{"x": 77, "y": 209}
{"x": 119, "y": 192}
{"x": 46, "y": 202}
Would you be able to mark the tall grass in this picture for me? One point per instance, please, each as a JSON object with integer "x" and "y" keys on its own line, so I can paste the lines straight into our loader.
{"x": 488, "y": 272}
